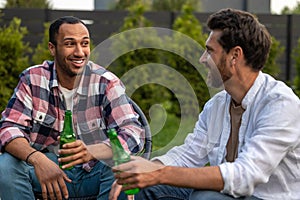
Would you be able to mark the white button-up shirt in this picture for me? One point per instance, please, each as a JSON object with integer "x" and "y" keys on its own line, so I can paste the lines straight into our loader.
{"x": 268, "y": 163}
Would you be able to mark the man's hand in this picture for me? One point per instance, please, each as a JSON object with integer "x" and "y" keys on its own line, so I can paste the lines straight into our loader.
{"x": 77, "y": 154}
{"x": 51, "y": 177}
{"x": 116, "y": 190}
{"x": 138, "y": 173}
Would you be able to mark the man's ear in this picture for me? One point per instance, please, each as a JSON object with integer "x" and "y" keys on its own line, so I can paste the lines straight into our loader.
{"x": 51, "y": 48}
{"x": 236, "y": 52}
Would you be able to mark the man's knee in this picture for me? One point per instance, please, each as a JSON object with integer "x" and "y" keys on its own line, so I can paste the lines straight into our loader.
{"x": 163, "y": 192}
{"x": 10, "y": 167}
{"x": 208, "y": 195}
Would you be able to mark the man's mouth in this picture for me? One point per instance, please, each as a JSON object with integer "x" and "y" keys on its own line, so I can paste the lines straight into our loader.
{"x": 78, "y": 61}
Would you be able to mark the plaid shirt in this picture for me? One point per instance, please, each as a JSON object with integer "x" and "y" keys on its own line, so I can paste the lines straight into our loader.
{"x": 36, "y": 109}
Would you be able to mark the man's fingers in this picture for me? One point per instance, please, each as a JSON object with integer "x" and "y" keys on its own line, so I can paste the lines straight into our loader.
{"x": 64, "y": 188}
{"x": 44, "y": 191}
{"x": 57, "y": 191}
{"x": 50, "y": 191}
{"x": 115, "y": 191}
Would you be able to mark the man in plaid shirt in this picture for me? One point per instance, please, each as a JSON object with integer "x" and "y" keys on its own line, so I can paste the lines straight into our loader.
{"x": 34, "y": 116}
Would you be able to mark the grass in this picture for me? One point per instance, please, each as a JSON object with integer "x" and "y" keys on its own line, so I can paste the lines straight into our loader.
{"x": 173, "y": 133}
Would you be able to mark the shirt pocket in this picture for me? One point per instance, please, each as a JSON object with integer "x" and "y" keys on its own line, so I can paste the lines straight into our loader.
{"x": 43, "y": 123}
{"x": 92, "y": 131}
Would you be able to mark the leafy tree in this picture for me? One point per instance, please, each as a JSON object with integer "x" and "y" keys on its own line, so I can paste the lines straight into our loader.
{"x": 149, "y": 94}
{"x": 296, "y": 51}
{"x": 146, "y": 96}
{"x": 271, "y": 66}
{"x": 127, "y": 4}
{"x": 175, "y": 5}
{"x": 296, "y": 57}
{"x": 135, "y": 18}
{"x": 41, "y": 52}
{"x": 28, "y": 4}
{"x": 13, "y": 58}
{"x": 187, "y": 24}
{"x": 158, "y": 5}
{"x": 296, "y": 10}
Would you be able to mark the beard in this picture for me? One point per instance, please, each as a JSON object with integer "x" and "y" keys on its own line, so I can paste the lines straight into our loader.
{"x": 214, "y": 78}
{"x": 67, "y": 68}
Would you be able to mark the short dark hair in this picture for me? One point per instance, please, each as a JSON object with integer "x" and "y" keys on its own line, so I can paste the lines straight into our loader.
{"x": 240, "y": 28}
{"x": 54, "y": 27}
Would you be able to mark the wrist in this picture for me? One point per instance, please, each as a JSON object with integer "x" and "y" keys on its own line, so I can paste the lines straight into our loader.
{"x": 161, "y": 175}
{"x": 31, "y": 157}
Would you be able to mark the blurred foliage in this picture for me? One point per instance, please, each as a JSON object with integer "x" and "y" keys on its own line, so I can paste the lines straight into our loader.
{"x": 41, "y": 52}
{"x": 188, "y": 25}
{"x": 13, "y": 58}
{"x": 295, "y": 10}
{"x": 159, "y": 69}
{"x": 134, "y": 56}
{"x": 175, "y": 5}
{"x": 271, "y": 66}
{"x": 158, "y": 5}
{"x": 296, "y": 51}
{"x": 127, "y": 4}
{"x": 44, "y": 4}
{"x": 296, "y": 57}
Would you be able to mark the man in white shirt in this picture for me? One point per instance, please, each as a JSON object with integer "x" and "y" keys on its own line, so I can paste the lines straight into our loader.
{"x": 249, "y": 133}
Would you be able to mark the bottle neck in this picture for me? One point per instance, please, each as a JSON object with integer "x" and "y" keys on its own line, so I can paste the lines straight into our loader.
{"x": 68, "y": 125}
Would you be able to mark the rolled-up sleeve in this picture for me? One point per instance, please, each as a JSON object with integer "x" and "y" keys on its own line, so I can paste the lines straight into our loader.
{"x": 16, "y": 117}
{"x": 120, "y": 113}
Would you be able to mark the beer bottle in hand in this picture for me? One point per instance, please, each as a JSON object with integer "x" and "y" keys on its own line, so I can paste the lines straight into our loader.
{"x": 119, "y": 154}
{"x": 67, "y": 135}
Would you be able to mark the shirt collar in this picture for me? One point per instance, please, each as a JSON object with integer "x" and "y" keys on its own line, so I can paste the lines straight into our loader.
{"x": 84, "y": 83}
{"x": 84, "y": 79}
{"x": 53, "y": 75}
{"x": 249, "y": 97}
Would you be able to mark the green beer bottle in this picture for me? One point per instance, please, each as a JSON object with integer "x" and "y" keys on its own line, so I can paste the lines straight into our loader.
{"x": 119, "y": 154}
{"x": 67, "y": 135}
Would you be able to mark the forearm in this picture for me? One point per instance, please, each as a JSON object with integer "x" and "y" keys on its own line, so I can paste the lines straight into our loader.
{"x": 19, "y": 148}
{"x": 100, "y": 151}
{"x": 198, "y": 178}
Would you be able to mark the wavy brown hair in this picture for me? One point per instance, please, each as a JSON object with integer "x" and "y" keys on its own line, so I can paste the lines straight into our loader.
{"x": 242, "y": 29}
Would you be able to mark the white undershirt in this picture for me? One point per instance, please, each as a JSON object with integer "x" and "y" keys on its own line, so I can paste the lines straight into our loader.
{"x": 68, "y": 96}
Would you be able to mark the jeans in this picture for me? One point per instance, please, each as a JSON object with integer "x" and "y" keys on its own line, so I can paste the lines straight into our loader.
{"x": 163, "y": 192}
{"x": 213, "y": 195}
{"x": 18, "y": 180}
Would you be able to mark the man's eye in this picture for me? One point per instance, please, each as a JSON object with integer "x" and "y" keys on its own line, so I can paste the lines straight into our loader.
{"x": 85, "y": 44}
{"x": 69, "y": 43}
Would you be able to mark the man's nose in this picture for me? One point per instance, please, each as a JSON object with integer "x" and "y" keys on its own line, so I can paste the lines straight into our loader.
{"x": 79, "y": 51}
{"x": 203, "y": 57}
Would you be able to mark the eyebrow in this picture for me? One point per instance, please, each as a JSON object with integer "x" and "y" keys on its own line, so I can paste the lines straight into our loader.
{"x": 84, "y": 38}
{"x": 208, "y": 47}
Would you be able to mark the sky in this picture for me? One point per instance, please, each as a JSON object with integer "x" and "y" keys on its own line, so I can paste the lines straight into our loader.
{"x": 276, "y": 5}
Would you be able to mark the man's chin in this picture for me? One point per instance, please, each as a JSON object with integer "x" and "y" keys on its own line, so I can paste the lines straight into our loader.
{"x": 214, "y": 83}
{"x": 79, "y": 71}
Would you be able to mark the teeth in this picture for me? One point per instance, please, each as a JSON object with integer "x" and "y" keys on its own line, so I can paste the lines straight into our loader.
{"x": 78, "y": 61}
